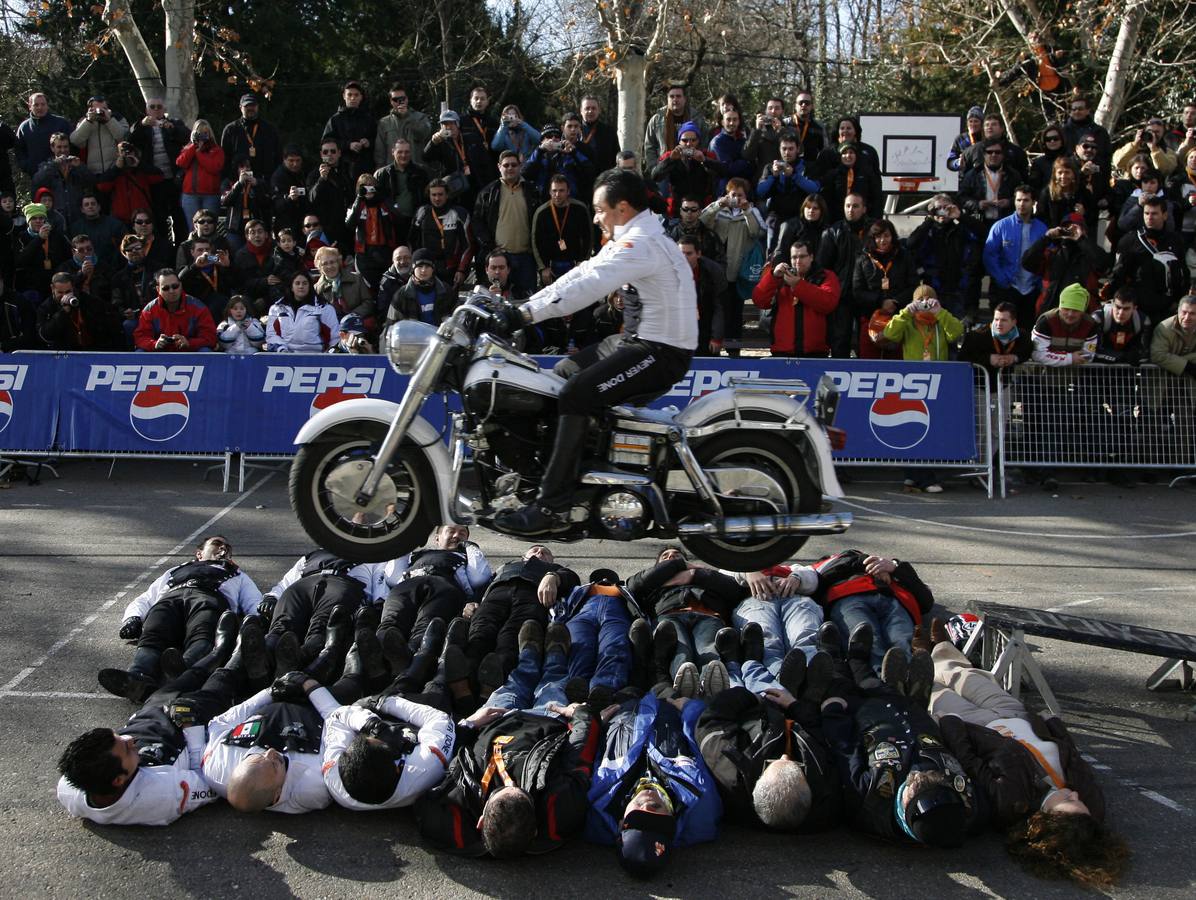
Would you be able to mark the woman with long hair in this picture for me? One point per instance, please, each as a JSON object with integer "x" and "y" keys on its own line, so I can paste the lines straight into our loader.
{"x": 1063, "y": 195}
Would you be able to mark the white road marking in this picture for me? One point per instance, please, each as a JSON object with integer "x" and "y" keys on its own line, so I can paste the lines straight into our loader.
{"x": 63, "y": 695}
{"x": 1137, "y": 788}
{"x": 1063, "y": 606}
{"x": 7, "y": 688}
{"x": 1010, "y": 531}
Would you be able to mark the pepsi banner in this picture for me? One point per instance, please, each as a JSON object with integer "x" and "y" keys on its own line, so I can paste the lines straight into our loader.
{"x": 211, "y": 403}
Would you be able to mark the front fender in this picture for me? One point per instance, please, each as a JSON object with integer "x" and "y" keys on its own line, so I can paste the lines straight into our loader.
{"x": 421, "y": 433}
{"x": 722, "y": 404}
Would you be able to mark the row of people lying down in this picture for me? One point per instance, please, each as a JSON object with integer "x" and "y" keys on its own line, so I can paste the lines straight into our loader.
{"x": 599, "y": 723}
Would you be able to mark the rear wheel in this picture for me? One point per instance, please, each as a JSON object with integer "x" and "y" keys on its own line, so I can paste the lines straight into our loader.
{"x": 325, "y": 477}
{"x": 772, "y": 454}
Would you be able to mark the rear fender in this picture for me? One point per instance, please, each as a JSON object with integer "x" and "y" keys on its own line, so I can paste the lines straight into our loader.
{"x": 812, "y": 443}
{"x": 342, "y": 416}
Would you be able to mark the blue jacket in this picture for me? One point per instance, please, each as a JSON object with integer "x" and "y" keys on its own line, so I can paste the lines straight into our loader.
{"x": 687, "y": 779}
{"x": 1003, "y": 249}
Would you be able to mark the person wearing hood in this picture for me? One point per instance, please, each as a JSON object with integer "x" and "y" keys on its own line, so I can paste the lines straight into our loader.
{"x": 354, "y": 128}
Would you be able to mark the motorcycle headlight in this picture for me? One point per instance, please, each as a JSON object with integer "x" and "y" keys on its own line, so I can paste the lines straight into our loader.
{"x": 405, "y": 343}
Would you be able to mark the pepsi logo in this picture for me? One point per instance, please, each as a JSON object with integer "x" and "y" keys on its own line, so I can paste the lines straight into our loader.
{"x": 899, "y": 424}
{"x": 5, "y": 409}
{"x": 159, "y": 415}
{"x": 331, "y": 397}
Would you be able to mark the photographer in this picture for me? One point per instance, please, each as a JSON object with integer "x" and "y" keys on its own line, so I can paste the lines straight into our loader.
{"x": 784, "y": 185}
{"x": 288, "y": 187}
{"x": 131, "y": 184}
{"x": 246, "y": 198}
{"x": 946, "y": 250}
{"x": 1064, "y": 255}
{"x": 763, "y": 144}
{"x": 201, "y": 162}
{"x": 65, "y": 176}
{"x": 557, "y": 155}
{"x": 374, "y": 227}
{"x": 174, "y": 322}
{"x": 1148, "y": 140}
{"x": 802, "y": 296}
{"x": 98, "y": 133}
{"x": 73, "y": 320}
{"x": 352, "y": 336}
{"x": 688, "y": 168}
{"x": 514, "y": 134}
{"x": 209, "y": 278}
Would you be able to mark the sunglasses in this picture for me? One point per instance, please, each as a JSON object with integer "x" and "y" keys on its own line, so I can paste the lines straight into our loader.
{"x": 170, "y": 287}
{"x": 691, "y": 209}
{"x": 141, "y": 222}
{"x": 398, "y": 99}
{"x": 311, "y": 224}
{"x": 329, "y": 152}
{"x": 156, "y": 106}
{"x": 1052, "y": 138}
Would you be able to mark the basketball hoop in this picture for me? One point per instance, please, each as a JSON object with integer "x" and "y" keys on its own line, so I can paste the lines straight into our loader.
{"x": 910, "y": 184}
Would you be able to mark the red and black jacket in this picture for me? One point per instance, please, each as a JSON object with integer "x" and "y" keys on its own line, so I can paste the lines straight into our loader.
{"x": 843, "y": 575}
{"x": 552, "y": 759}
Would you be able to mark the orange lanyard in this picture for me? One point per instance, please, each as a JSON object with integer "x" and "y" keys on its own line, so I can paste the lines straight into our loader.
{"x": 850, "y": 179}
{"x": 210, "y": 279}
{"x": 884, "y": 270}
{"x": 994, "y": 184}
{"x": 460, "y": 147}
{"x": 439, "y": 227}
{"x": 478, "y": 122}
{"x": 804, "y": 129}
{"x": 559, "y": 223}
{"x": 497, "y": 764}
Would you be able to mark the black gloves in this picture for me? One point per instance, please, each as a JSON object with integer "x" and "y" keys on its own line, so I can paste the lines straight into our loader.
{"x": 130, "y": 628}
{"x": 265, "y": 609}
{"x": 182, "y": 714}
{"x": 393, "y": 734}
{"x": 289, "y": 687}
{"x": 373, "y": 703}
{"x": 510, "y": 318}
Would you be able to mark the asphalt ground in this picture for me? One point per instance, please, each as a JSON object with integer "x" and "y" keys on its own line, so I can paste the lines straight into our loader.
{"x": 74, "y": 550}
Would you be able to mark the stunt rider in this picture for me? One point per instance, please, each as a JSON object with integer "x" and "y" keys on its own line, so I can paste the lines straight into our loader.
{"x": 660, "y": 333}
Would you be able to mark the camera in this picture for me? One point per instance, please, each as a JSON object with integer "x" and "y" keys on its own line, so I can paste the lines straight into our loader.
{"x": 301, "y": 191}
{"x": 72, "y": 301}
{"x": 508, "y": 120}
{"x": 211, "y": 257}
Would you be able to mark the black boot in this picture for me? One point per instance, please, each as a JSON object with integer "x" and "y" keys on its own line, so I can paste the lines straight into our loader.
{"x": 550, "y": 513}
{"x": 226, "y": 640}
{"x": 364, "y": 659}
{"x": 250, "y": 654}
{"x": 131, "y": 685}
{"x": 328, "y": 663}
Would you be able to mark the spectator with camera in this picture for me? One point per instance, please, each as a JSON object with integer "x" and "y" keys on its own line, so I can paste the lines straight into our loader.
{"x": 459, "y": 158}
{"x": 558, "y": 155}
{"x": 514, "y": 134}
{"x": 131, "y": 185}
{"x": 90, "y": 274}
{"x": 946, "y": 250}
{"x": 330, "y": 190}
{"x": 403, "y": 183}
{"x": 288, "y": 190}
{"x": 65, "y": 176}
{"x": 374, "y": 228}
{"x": 40, "y": 249}
{"x": 883, "y": 282}
{"x": 201, "y": 163}
{"x": 801, "y": 297}
{"x": 352, "y": 337}
{"x": 353, "y": 128}
{"x": 32, "y": 145}
{"x": 209, "y": 278}
{"x": 687, "y": 168}
{"x": 98, "y": 133}
{"x": 174, "y": 322}
{"x": 71, "y": 319}
{"x": 253, "y": 137}
{"x": 159, "y": 137}
{"x": 402, "y": 122}
{"x": 244, "y": 198}
{"x": 763, "y": 143}
{"x": 1064, "y": 255}
{"x": 1094, "y": 177}
{"x": 662, "y": 132}
{"x": 502, "y": 217}
{"x": 203, "y": 228}
{"x": 1149, "y": 139}
{"x": 784, "y": 186}
{"x": 104, "y": 231}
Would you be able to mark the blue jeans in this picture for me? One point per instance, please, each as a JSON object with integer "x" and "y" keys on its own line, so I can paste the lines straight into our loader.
{"x": 695, "y": 638}
{"x": 601, "y": 651}
{"x": 193, "y": 203}
{"x": 891, "y": 624}
{"x": 531, "y": 687}
{"x": 788, "y": 623}
{"x": 752, "y": 675}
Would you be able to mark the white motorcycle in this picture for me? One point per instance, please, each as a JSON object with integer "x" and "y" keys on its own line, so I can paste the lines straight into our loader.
{"x": 738, "y": 476}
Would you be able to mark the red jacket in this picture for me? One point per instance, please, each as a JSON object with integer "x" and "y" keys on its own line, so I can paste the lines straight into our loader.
{"x": 192, "y": 320}
{"x": 817, "y": 298}
{"x": 131, "y": 189}
{"x": 201, "y": 168}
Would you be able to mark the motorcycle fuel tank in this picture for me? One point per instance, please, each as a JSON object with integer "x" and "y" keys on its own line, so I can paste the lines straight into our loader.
{"x": 494, "y": 386}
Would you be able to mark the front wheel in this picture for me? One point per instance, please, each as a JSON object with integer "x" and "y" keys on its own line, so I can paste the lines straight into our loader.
{"x": 325, "y": 477}
{"x": 777, "y": 457}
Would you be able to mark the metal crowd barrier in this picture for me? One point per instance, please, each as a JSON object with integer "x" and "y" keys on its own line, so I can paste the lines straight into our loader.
{"x": 981, "y": 466}
{"x": 1096, "y": 416}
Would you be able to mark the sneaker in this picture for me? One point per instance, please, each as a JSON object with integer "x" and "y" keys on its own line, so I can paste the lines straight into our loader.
{"x": 685, "y": 683}
{"x": 531, "y": 634}
{"x": 894, "y": 669}
{"x": 557, "y": 639}
{"x": 921, "y": 678}
{"x": 752, "y": 641}
{"x": 491, "y": 675}
{"x": 793, "y": 671}
{"x": 935, "y": 488}
{"x": 820, "y": 671}
{"x": 830, "y": 640}
{"x": 714, "y": 678}
{"x": 726, "y": 644}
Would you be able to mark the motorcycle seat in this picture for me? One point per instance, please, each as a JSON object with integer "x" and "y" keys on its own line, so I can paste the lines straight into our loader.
{"x": 665, "y": 416}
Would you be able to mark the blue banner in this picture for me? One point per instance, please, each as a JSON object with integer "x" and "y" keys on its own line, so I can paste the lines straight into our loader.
{"x": 211, "y": 403}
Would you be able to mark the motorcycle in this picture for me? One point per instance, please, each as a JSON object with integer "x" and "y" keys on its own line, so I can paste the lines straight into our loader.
{"x": 738, "y": 476}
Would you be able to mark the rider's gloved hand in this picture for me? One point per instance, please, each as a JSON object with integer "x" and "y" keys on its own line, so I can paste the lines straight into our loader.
{"x": 510, "y": 317}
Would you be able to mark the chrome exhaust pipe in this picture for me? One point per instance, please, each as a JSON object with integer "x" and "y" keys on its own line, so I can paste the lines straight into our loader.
{"x": 762, "y": 526}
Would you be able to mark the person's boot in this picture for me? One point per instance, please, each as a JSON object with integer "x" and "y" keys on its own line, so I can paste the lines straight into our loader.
{"x": 251, "y": 654}
{"x": 227, "y": 629}
{"x": 550, "y": 513}
{"x": 455, "y": 666}
{"x": 331, "y": 660}
{"x": 491, "y": 675}
{"x": 367, "y": 617}
{"x": 793, "y": 671}
{"x": 920, "y": 641}
{"x": 830, "y": 640}
{"x": 458, "y": 632}
{"x": 726, "y": 644}
{"x": 364, "y": 659}
{"x": 859, "y": 656}
{"x": 288, "y": 653}
{"x": 394, "y": 650}
{"x": 921, "y": 678}
{"x": 172, "y": 663}
{"x": 820, "y": 671}
{"x": 894, "y": 669}
{"x": 131, "y": 685}
{"x": 752, "y": 641}
{"x": 714, "y": 678}
{"x": 423, "y": 664}
{"x": 640, "y": 636}
{"x": 938, "y": 632}
{"x": 664, "y": 648}
{"x": 531, "y": 634}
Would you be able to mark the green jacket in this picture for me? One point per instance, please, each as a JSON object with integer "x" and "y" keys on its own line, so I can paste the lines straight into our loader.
{"x": 904, "y": 330}
{"x": 1172, "y": 347}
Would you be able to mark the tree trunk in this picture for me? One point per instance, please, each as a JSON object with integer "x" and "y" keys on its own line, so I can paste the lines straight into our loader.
{"x": 181, "y": 98}
{"x": 1117, "y": 76}
{"x": 631, "y": 78}
{"x": 446, "y": 50}
{"x": 149, "y": 79}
